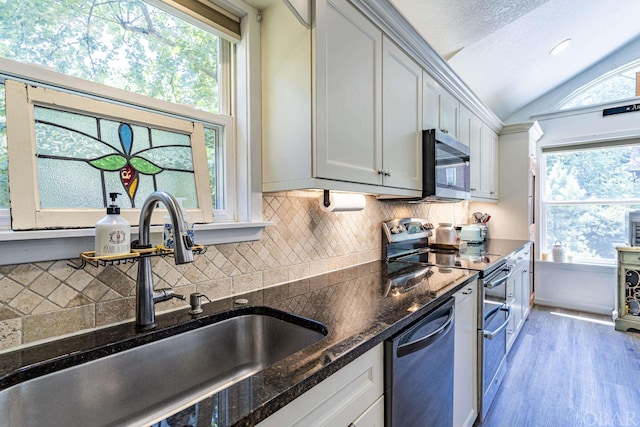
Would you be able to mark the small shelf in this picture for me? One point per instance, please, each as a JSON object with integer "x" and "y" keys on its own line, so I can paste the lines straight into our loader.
{"x": 135, "y": 254}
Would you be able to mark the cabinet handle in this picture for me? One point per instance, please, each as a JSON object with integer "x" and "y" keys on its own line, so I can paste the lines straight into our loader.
{"x": 387, "y": 174}
{"x": 510, "y": 331}
{"x": 492, "y": 192}
{"x": 380, "y": 172}
{"x": 472, "y": 189}
{"x": 509, "y": 295}
{"x": 469, "y": 291}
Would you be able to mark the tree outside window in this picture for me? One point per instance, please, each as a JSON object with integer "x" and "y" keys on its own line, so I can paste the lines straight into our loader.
{"x": 586, "y": 196}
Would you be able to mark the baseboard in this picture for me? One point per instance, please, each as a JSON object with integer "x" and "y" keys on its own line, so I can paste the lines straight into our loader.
{"x": 588, "y": 308}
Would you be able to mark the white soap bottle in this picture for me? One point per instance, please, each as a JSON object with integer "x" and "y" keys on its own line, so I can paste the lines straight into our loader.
{"x": 113, "y": 233}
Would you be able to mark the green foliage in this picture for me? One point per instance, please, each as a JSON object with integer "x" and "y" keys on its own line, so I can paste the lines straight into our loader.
{"x": 123, "y": 43}
{"x": 4, "y": 164}
{"x": 596, "y": 176}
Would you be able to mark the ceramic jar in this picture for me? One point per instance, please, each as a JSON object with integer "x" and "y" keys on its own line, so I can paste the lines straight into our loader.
{"x": 558, "y": 252}
{"x": 445, "y": 234}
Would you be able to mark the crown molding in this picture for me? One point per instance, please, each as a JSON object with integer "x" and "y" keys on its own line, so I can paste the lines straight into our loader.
{"x": 398, "y": 29}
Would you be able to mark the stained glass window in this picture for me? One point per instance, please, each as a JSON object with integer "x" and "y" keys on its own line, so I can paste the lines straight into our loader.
{"x": 81, "y": 159}
{"x": 4, "y": 177}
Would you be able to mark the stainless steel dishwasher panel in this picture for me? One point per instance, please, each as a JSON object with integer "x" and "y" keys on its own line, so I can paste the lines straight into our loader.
{"x": 419, "y": 372}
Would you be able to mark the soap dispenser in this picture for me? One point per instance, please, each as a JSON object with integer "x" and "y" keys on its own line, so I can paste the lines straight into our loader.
{"x": 113, "y": 233}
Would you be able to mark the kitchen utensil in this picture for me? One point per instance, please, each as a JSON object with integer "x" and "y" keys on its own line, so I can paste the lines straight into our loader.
{"x": 484, "y": 218}
{"x": 477, "y": 216}
{"x": 446, "y": 234}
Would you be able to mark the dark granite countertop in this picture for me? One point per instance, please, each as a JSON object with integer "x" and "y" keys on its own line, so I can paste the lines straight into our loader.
{"x": 353, "y": 304}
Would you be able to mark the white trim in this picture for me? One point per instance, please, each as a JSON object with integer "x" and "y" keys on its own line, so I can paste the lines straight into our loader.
{"x": 17, "y": 247}
{"x": 589, "y": 308}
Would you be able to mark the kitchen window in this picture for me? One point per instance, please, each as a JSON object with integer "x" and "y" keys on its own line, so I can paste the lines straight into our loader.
{"x": 616, "y": 85}
{"x": 155, "y": 91}
{"x": 586, "y": 192}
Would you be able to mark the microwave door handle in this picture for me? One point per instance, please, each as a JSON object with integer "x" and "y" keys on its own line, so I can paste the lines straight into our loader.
{"x": 492, "y": 334}
{"x": 500, "y": 281}
{"x": 412, "y": 347}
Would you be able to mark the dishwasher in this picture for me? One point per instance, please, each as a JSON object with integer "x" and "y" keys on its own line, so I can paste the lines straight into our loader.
{"x": 419, "y": 372}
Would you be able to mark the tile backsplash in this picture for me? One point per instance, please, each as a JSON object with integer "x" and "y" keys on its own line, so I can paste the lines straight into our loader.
{"x": 44, "y": 300}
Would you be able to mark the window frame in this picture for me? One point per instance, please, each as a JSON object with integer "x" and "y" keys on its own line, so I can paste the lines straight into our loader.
{"x": 242, "y": 218}
{"x": 544, "y": 204}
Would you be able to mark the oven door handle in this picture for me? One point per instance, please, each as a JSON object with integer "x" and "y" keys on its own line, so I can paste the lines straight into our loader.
{"x": 492, "y": 334}
{"x": 419, "y": 344}
{"x": 500, "y": 281}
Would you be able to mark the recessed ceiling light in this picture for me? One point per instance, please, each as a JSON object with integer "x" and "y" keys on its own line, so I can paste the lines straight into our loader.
{"x": 560, "y": 47}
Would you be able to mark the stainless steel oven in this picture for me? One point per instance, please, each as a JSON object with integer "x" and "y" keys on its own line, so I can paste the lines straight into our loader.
{"x": 493, "y": 318}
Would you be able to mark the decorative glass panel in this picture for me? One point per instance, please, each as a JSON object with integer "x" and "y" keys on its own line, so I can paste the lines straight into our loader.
{"x": 632, "y": 291}
{"x": 127, "y": 44}
{"x": 4, "y": 165}
{"x": 82, "y": 159}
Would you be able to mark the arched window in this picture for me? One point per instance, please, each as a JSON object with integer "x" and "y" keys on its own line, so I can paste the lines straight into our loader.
{"x": 615, "y": 85}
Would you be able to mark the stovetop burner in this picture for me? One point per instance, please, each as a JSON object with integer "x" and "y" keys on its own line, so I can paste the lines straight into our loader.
{"x": 452, "y": 259}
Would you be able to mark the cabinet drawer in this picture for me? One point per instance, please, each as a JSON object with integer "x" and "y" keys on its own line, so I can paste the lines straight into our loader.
{"x": 339, "y": 399}
{"x": 630, "y": 257}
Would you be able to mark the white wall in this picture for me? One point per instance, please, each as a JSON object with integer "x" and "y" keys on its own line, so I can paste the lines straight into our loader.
{"x": 576, "y": 286}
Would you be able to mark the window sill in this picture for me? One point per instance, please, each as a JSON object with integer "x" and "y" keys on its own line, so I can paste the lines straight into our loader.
{"x": 18, "y": 247}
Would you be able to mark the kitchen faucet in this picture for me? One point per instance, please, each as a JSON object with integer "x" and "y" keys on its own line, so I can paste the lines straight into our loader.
{"x": 146, "y": 297}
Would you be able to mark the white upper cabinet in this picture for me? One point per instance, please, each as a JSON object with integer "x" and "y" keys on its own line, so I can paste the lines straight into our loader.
{"x": 464, "y": 125}
{"x": 484, "y": 162}
{"x": 441, "y": 110}
{"x": 402, "y": 118}
{"x": 431, "y": 93}
{"x": 322, "y": 105}
{"x": 449, "y": 109}
{"x": 348, "y": 89}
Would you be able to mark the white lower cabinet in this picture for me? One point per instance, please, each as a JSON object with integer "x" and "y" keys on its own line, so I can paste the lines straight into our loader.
{"x": 373, "y": 417}
{"x": 351, "y": 396}
{"x": 465, "y": 404}
{"x": 518, "y": 292}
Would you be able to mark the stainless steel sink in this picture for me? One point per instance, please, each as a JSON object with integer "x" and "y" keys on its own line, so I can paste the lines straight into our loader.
{"x": 146, "y": 384}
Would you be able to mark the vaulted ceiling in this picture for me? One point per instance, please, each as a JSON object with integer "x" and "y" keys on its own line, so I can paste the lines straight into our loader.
{"x": 500, "y": 48}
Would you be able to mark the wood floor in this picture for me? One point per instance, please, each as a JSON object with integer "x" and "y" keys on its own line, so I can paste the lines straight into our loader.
{"x": 569, "y": 369}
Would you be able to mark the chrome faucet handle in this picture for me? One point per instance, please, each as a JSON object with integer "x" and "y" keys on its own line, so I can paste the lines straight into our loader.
{"x": 166, "y": 294}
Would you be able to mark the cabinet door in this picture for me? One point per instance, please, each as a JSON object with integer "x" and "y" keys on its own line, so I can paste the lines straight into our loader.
{"x": 465, "y": 359}
{"x": 490, "y": 164}
{"x": 475, "y": 154}
{"x": 339, "y": 399}
{"x": 484, "y": 164}
{"x": 431, "y": 91}
{"x": 373, "y": 417}
{"x": 449, "y": 110}
{"x": 348, "y": 95}
{"x": 402, "y": 119}
{"x": 464, "y": 125}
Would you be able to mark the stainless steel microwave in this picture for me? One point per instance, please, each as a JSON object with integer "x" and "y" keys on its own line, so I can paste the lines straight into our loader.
{"x": 446, "y": 169}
